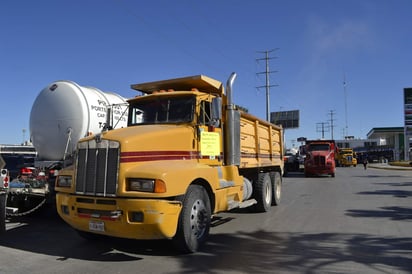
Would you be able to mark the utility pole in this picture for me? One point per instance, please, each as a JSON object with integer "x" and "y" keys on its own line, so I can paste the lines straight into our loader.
{"x": 331, "y": 113}
{"x": 24, "y": 136}
{"x": 322, "y": 127}
{"x": 267, "y": 85}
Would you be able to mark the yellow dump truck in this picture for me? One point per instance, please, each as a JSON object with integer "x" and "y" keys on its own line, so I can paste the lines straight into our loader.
{"x": 187, "y": 153}
{"x": 346, "y": 157}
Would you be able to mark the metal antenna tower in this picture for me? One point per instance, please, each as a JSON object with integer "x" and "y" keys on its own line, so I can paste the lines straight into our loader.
{"x": 267, "y": 72}
{"x": 331, "y": 113}
{"x": 346, "y": 105}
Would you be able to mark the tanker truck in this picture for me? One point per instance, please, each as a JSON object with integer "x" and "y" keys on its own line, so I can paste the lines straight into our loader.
{"x": 62, "y": 113}
{"x": 187, "y": 153}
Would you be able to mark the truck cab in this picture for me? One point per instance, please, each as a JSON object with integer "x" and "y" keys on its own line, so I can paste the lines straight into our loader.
{"x": 346, "y": 157}
{"x": 320, "y": 158}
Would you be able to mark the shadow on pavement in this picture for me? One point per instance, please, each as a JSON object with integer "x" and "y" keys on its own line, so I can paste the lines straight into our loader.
{"x": 263, "y": 252}
{"x": 391, "y": 212}
{"x": 391, "y": 192}
{"x": 254, "y": 252}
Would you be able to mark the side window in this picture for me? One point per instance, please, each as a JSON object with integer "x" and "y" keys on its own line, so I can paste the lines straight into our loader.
{"x": 205, "y": 111}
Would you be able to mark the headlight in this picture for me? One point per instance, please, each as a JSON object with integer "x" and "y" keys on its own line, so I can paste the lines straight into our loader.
{"x": 64, "y": 181}
{"x": 146, "y": 185}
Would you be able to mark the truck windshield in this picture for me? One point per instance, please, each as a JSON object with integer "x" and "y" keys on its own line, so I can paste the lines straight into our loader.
{"x": 318, "y": 147}
{"x": 162, "y": 110}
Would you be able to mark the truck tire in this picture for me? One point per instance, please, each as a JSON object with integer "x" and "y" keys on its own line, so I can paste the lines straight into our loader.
{"x": 263, "y": 192}
{"x": 276, "y": 180}
{"x": 3, "y": 198}
{"x": 194, "y": 220}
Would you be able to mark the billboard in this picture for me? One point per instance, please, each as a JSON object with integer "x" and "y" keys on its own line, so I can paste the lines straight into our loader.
{"x": 407, "y": 95}
{"x": 288, "y": 119}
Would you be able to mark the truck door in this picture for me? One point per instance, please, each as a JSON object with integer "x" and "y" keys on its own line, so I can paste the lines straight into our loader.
{"x": 210, "y": 144}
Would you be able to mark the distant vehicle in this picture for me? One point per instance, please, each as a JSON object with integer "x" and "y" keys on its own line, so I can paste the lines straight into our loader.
{"x": 320, "y": 157}
{"x": 4, "y": 185}
{"x": 16, "y": 157}
{"x": 346, "y": 157}
{"x": 302, "y": 157}
{"x": 292, "y": 161}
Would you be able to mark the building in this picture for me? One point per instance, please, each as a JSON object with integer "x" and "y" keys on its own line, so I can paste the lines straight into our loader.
{"x": 392, "y": 138}
{"x": 382, "y": 144}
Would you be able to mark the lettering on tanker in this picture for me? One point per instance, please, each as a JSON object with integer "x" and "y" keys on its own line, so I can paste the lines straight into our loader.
{"x": 100, "y": 108}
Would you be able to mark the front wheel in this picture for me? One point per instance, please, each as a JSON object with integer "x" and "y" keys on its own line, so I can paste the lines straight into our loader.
{"x": 194, "y": 220}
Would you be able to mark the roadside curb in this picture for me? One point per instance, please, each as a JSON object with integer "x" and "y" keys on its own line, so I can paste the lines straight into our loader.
{"x": 389, "y": 167}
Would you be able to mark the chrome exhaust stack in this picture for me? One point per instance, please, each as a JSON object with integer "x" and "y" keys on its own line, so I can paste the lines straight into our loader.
{"x": 232, "y": 126}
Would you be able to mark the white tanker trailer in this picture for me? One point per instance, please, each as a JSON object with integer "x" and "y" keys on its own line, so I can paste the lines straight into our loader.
{"x": 64, "y": 112}
{"x": 61, "y": 114}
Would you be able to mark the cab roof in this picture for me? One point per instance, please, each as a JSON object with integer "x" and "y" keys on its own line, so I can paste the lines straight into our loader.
{"x": 199, "y": 82}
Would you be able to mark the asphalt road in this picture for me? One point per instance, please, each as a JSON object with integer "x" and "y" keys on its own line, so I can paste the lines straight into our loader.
{"x": 358, "y": 222}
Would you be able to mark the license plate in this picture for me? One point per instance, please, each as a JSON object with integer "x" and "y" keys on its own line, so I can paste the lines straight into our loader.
{"x": 96, "y": 226}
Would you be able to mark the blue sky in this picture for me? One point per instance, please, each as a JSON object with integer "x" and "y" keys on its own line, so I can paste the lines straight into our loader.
{"x": 113, "y": 44}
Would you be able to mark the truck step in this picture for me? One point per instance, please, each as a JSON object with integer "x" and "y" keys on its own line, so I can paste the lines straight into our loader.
{"x": 235, "y": 204}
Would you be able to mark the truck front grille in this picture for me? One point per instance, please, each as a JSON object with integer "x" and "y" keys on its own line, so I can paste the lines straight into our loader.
{"x": 320, "y": 160}
{"x": 97, "y": 168}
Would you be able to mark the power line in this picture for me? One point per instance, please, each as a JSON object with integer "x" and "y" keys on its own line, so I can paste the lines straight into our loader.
{"x": 267, "y": 85}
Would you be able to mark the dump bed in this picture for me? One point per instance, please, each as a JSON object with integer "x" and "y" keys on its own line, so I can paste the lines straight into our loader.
{"x": 261, "y": 143}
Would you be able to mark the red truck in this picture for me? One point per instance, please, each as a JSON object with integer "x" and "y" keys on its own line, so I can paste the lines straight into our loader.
{"x": 320, "y": 157}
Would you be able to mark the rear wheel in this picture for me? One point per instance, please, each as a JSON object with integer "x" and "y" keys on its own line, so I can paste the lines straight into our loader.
{"x": 194, "y": 220}
{"x": 276, "y": 180}
{"x": 263, "y": 192}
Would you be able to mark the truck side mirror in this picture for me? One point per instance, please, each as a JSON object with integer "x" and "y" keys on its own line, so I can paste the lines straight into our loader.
{"x": 216, "y": 110}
